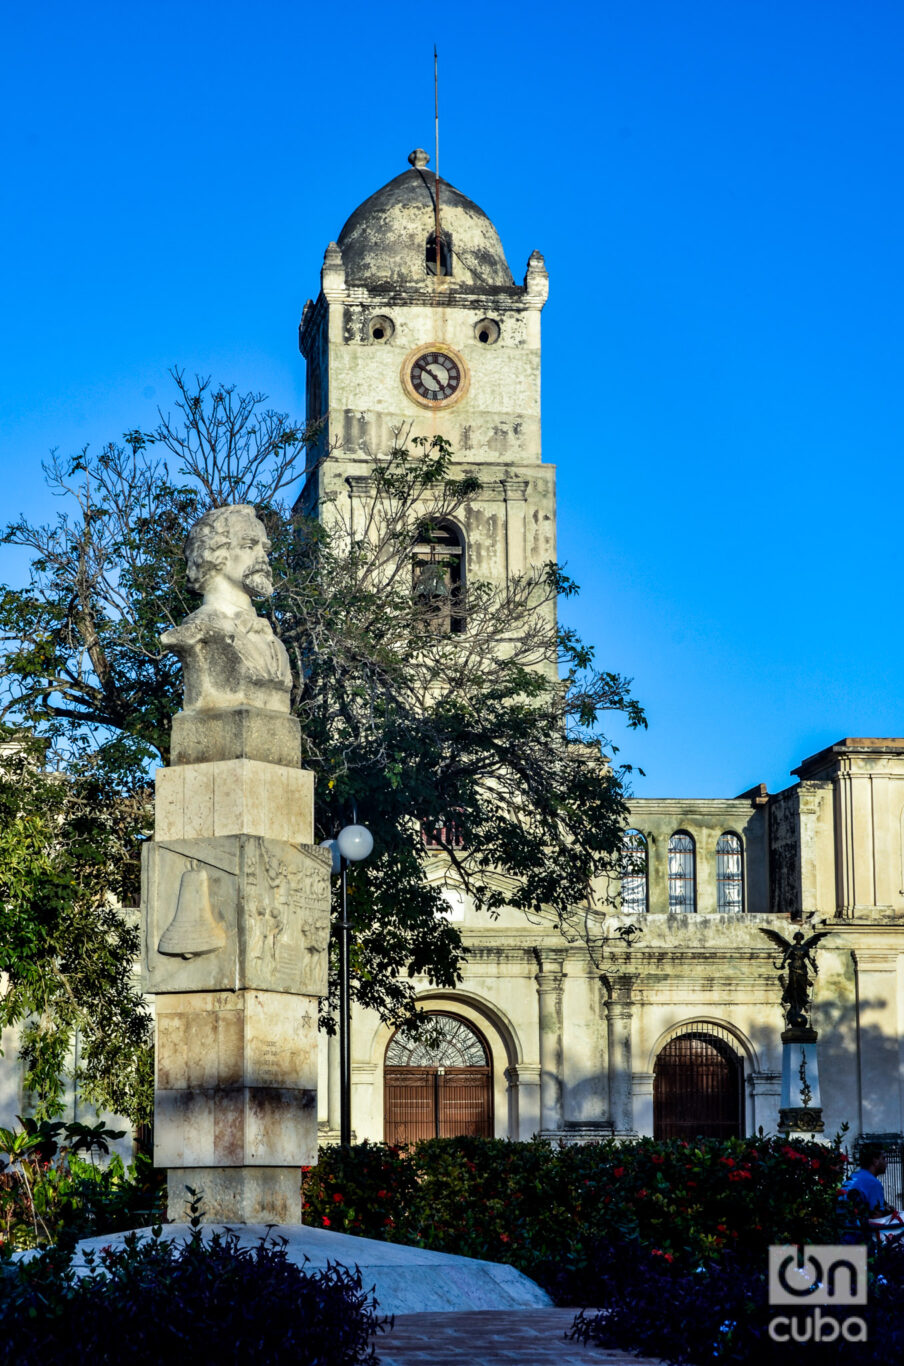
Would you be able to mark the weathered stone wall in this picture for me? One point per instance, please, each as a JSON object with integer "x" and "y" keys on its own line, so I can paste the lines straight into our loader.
{"x": 784, "y": 853}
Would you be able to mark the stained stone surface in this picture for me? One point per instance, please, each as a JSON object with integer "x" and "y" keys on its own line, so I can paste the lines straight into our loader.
{"x": 236, "y": 1078}
{"x": 406, "y": 1280}
{"x": 270, "y": 737}
{"x": 232, "y": 912}
{"x": 234, "y": 797}
{"x": 236, "y": 1195}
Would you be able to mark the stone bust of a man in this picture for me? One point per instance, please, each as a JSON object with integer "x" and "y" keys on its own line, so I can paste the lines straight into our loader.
{"x": 230, "y": 656}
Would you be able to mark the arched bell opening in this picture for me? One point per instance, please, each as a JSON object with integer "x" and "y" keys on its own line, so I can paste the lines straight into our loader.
{"x": 438, "y": 577}
{"x": 445, "y": 254}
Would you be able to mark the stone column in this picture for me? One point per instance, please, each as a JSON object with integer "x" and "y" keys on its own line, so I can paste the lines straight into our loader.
{"x": 619, "y": 1017}
{"x": 235, "y": 904}
{"x": 524, "y": 1100}
{"x": 642, "y": 1093}
{"x": 880, "y": 1039}
{"x": 550, "y": 982}
{"x": 333, "y": 1085}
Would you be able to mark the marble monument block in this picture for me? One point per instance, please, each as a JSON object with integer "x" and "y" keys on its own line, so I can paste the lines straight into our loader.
{"x": 235, "y": 902}
{"x": 235, "y": 912}
{"x": 234, "y": 797}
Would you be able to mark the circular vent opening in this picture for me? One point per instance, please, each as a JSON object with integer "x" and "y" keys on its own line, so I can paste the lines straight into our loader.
{"x": 380, "y": 328}
{"x": 486, "y": 331}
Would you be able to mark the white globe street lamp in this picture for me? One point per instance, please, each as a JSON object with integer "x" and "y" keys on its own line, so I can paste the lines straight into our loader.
{"x": 351, "y": 845}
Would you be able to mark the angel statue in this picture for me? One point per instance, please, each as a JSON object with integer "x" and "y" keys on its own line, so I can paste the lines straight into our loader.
{"x": 798, "y": 962}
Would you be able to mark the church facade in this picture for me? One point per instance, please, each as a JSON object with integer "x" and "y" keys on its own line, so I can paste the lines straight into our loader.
{"x": 669, "y": 1021}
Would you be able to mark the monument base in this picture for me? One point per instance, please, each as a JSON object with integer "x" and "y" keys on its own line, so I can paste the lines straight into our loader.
{"x": 236, "y": 1195}
{"x": 236, "y": 1096}
{"x": 406, "y": 1280}
{"x": 203, "y": 737}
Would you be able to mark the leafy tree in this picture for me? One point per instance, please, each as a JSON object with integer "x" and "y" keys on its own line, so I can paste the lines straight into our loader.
{"x": 68, "y": 849}
{"x": 485, "y": 740}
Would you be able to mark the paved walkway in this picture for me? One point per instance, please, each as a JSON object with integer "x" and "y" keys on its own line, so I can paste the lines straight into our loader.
{"x": 525, "y": 1337}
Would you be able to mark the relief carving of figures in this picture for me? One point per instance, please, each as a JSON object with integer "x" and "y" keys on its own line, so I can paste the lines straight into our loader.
{"x": 798, "y": 963}
{"x": 274, "y": 907}
{"x": 230, "y": 656}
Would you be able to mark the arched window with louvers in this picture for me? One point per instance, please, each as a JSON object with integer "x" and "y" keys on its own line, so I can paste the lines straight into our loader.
{"x": 682, "y": 872}
{"x": 729, "y": 873}
{"x": 634, "y": 873}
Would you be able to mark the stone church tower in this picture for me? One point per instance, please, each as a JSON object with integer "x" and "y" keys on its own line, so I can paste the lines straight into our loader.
{"x": 396, "y": 349}
{"x": 673, "y": 1025}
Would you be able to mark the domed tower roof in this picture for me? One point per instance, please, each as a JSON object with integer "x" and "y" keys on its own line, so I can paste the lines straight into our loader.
{"x": 385, "y": 240}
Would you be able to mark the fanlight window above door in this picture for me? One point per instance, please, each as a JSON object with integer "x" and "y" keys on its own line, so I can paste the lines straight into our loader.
{"x": 451, "y": 1043}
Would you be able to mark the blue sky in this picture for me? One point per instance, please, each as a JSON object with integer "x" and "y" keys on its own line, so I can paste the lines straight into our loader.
{"x": 717, "y": 190}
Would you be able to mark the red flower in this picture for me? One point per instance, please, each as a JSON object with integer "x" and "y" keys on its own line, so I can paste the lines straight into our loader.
{"x": 382, "y": 1195}
{"x": 338, "y": 1197}
{"x": 619, "y": 1171}
{"x": 326, "y": 1222}
{"x": 504, "y": 1238}
{"x": 641, "y": 1195}
{"x": 727, "y": 1161}
{"x": 721, "y": 1228}
{"x": 658, "y": 1159}
{"x": 691, "y": 1183}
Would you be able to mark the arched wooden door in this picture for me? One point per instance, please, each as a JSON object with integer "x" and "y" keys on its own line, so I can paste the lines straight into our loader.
{"x": 439, "y": 1088}
{"x": 698, "y": 1086}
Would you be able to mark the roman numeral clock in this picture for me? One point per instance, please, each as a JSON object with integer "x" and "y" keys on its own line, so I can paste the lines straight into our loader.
{"x": 434, "y": 376}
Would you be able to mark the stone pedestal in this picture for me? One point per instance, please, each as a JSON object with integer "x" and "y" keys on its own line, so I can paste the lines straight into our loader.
{"x": 235, "y": 901}
{"x": 235, "y": 926}
{"x": 800, "y": 1115}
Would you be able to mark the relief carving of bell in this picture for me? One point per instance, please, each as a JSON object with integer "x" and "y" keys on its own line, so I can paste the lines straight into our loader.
{"x": 194, "y": 929}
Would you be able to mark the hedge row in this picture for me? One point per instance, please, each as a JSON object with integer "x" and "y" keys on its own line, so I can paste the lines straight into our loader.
{"x": 558, "y": 1213}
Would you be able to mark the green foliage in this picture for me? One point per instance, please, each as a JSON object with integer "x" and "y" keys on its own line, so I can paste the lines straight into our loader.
{"x": 209, "y": 1299}
{"x": 68, "y": 859}
{"x": 49, "y": 1195}
{"x": 551, "y": 1211}
{"x": 721, "y": 1312}
{"x": 495, "y": 729}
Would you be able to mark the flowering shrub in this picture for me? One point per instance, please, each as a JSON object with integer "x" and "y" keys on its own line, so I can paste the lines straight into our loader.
{"x": 153, "y": 1301}
{"x": 721, "y": 1312}
{"x": 558, "y": 1213}
{"x": 50, "y": 1194}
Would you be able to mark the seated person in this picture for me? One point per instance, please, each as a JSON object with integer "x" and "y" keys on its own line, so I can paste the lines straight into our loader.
{"x": 865, "y": 1181}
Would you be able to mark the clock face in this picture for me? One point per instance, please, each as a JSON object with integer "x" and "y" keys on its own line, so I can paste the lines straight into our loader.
{"x": 435, "y": 376}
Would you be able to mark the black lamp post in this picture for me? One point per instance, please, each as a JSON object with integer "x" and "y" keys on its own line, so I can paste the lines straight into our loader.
{"x": 351, "y": 845}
